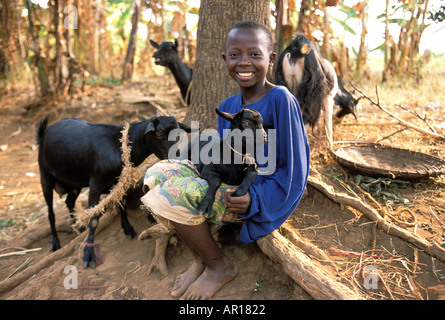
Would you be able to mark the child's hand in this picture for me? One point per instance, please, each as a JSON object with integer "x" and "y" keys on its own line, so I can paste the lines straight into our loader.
{"x": 236, "y": 205}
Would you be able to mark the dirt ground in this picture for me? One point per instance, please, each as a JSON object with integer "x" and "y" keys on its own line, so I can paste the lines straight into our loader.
{"x": 351, "y": 242}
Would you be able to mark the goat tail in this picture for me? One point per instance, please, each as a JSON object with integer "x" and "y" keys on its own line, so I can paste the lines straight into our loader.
{"x": 41, "y": 127}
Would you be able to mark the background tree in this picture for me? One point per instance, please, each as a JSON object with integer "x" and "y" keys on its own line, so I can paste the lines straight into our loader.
{"x": 129, "y": 59}
{"x": 211, "y": 82}
{"x": 403, "y": 54}
{"x": 37, "y": 47}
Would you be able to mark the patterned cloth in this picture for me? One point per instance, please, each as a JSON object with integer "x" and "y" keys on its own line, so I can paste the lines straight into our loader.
{"x": 176, "y": 190}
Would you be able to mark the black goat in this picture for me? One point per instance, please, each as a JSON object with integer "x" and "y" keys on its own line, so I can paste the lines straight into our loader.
{"x": 313, "y": 81}
{"x": 74, "y": 154}
{"x": 346, "y": 101}
{"x": 167, "y": 55}
{"x": 233, "y": 173}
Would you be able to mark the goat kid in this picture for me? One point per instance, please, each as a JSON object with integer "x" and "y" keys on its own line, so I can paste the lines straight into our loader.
{"x": 313, "y": 81}
{"x": 233, "y": 173}
{"x": 167, "y": 55}
{"x": 74, "y": 154}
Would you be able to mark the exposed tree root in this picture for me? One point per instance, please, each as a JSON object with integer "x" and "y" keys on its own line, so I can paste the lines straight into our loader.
{"x": 50, "y": 259}
{"x": 303, "y": 271}
{"x": 433, "y": 249}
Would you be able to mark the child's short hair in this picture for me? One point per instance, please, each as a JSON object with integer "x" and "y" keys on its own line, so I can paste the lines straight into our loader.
{"x": 250, "y": 24}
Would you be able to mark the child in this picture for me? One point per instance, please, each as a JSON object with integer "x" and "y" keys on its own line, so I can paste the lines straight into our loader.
{"x": 176, "y": 189}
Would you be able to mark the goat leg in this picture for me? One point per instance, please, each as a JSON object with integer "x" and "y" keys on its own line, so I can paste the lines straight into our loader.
{"x": 89, "y": 256}
{"x": 125, "y": 224}
{"x": 251, "y": 174}
{"x": 206, "y": 206}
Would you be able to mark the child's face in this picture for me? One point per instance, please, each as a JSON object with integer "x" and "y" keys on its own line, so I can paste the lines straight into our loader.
{"x": 247, "y": 56}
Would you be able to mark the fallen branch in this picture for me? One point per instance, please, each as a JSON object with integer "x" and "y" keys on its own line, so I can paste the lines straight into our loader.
{"x": 406, "y": 123}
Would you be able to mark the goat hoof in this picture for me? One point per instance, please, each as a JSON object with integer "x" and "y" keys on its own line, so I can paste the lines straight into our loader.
{"x": 205, "y": 209}
{"x": 55, "y": 248}
{"x": 239, "y": 193}
{"x": 89, "y": 257}
{"x": 130, "y": 233}
{"x": 56, "y": 245}
{"x": 91, "y": 263}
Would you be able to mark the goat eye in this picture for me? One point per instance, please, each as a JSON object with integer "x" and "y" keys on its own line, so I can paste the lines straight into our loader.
{"x": 246, "y": 124}
{"x": 158, "y": 133}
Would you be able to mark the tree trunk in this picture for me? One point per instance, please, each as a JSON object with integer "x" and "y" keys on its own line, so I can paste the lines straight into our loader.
{"x": 211, "y": 82}
{"x": 45, "y": 88}
{"x": 362, "y": 53}
{"x": 303, "y": 17}
{"x": 129, "y": 59}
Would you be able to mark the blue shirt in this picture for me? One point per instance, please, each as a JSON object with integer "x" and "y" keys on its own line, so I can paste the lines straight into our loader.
{"x": 274, "y": 196}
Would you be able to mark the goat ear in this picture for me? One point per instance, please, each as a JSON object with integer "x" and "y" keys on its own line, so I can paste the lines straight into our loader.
{"x": 305, "y": 49}
{"x": 185, "y": 127}
{"x": 154, "y": 44}
{"x": 151, "y": 126}
{"x": 225, "y": 115}
{"x": 176, "y": 43}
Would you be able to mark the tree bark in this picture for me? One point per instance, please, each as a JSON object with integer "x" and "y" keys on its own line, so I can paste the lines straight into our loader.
{"x": 45, "y": 88}
{"x": 362, "y": 53}
{"x": 129, "y": 59}
{"x": 211, "y": 82}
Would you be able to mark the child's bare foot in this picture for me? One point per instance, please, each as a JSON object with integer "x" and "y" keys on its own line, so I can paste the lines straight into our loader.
{"x": 210, "y": 281}
{"x": 184, "y": 280}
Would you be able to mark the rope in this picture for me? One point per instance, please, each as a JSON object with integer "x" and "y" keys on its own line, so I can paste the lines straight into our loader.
{"x": 127, "y": 177}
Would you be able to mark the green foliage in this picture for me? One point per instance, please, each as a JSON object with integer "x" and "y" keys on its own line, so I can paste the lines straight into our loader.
{"x": 97, "y": 81}
{"x": 382, "y": 189}
{"x": 6, "y": 223}
{"x": 350, "y": 13}
{"x": 438, "y": 15}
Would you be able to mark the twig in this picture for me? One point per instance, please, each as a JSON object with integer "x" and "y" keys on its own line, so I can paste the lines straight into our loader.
{"x": 435, "y": 216}
{"x": 414, "y": 112}
{"x": 355, "y": 254}
{"x": 17, "y": 253}
{"x": 22, "y": 267}
{"x": 406, "y": 123}
{"x": 394, "y": 133}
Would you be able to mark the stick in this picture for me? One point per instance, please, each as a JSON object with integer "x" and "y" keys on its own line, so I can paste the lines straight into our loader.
{"x": 435, "y": 216}
{"x": 406, "y": 123}
{"x": 18, "y": 253}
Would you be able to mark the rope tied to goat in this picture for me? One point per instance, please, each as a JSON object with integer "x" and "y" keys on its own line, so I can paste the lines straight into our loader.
{"x": 127, "y": 178}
